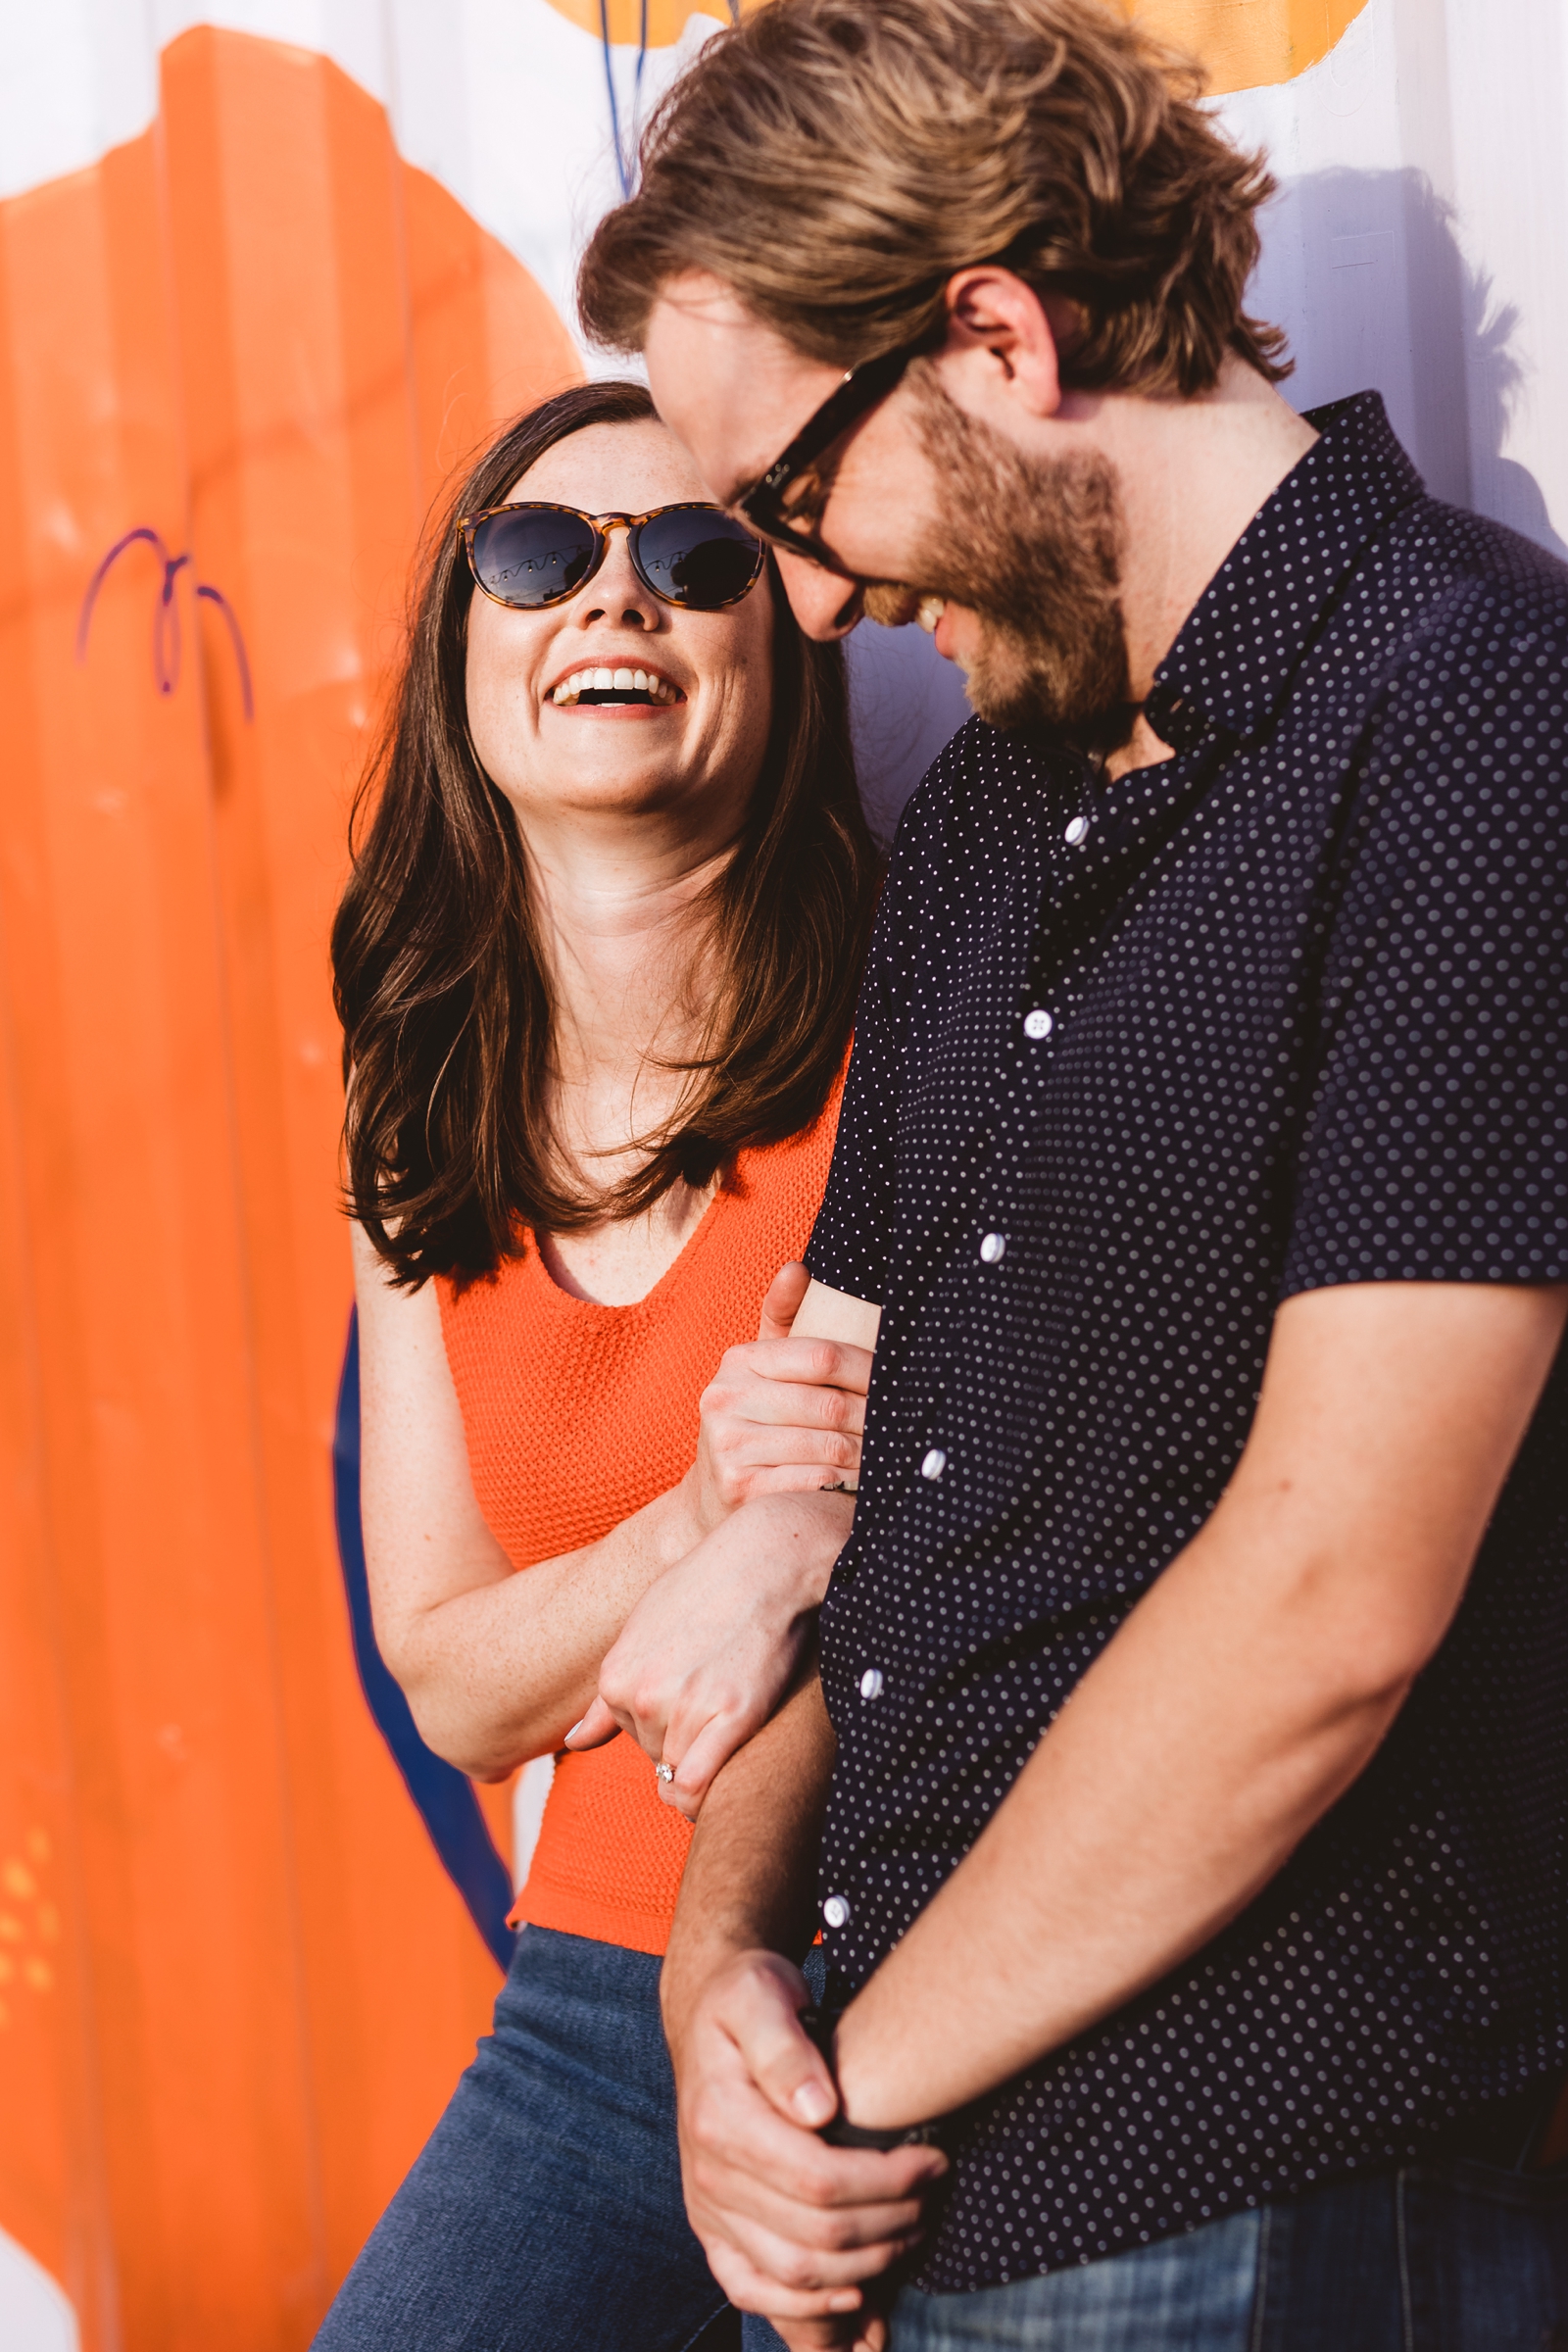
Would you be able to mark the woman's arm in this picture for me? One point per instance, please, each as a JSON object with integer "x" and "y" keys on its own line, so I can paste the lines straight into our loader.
{"x": 707, "y": 1654}
{"x": 496, "y": 1666}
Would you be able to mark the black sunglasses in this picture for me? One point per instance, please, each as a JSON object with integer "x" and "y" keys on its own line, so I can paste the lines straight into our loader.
{"x": 533, "y": 554}
{"x": 764, "y": 506}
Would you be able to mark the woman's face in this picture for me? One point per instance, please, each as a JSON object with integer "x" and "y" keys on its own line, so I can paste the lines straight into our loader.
{"x": 694, "y": 757}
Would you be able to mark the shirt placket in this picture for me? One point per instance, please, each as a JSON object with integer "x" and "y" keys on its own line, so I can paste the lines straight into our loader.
{"x": 1101, "y": 840}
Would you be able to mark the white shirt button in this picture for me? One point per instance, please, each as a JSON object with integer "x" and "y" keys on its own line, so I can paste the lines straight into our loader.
{"x": 1076, "y": 832}
{"x": 992, "y": 1247}
{"x": 1038, "y": 1023}
{"x": 836, "y": 1912}
{"x": 871, "y": 1684}
{"x": 935, "y": 1462}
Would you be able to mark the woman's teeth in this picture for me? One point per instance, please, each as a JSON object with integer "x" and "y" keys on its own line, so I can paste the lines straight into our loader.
{"x": 621, "y": 683}
{"x": 930, "y": 611}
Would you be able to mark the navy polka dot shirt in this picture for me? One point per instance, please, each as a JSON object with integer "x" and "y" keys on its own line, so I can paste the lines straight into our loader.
{"x": 1135, "y": 1063}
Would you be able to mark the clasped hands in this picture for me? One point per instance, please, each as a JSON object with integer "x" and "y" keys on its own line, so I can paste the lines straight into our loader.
{"x": 790, "y": 2226}
{"x": 710, "y": 1651}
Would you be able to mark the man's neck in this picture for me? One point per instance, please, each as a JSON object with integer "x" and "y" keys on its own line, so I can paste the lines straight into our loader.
{"x": 1193, "y": 475}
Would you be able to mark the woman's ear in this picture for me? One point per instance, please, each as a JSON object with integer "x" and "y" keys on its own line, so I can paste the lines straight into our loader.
{"x": 1002, "y": 343}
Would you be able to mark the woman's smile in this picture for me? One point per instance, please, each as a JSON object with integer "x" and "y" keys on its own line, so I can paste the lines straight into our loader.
{"x": 614, "y": 686}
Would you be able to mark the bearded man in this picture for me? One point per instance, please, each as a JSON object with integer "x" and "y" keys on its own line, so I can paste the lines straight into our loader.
{"x": 1190, "y": 1725}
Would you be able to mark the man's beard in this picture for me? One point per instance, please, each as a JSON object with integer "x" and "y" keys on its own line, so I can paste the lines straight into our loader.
{"x": 1034, "y": 551}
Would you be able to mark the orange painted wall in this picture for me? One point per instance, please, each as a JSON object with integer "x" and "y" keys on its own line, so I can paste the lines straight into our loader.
{"x": 235, "y": 1986}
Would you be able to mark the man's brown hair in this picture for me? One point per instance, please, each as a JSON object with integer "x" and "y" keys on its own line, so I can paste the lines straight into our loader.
{"x": 834, "y": 162}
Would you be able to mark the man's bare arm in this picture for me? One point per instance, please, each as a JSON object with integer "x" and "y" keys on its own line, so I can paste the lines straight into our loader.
{"x": 829, "y": 1314}
{"x": 750, "y": 1881}
{"x": 789, "y": 2224}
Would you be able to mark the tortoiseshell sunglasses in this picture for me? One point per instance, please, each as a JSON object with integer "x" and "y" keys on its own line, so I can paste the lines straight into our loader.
{"x": 531, "y": 555}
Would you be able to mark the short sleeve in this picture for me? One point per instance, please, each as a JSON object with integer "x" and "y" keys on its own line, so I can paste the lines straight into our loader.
{"x": 1435, "y": 1143}
{"x": 849, "y": 1244}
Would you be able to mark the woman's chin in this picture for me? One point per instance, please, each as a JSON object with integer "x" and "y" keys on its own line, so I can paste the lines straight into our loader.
{"x": 595, "y": 782}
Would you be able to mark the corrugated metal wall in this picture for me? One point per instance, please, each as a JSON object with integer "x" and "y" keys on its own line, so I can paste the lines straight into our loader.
{"x": 263, "y": 281}
{"x": 238, "y": 1985}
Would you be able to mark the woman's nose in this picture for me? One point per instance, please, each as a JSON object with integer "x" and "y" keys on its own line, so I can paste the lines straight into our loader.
{"x": 615, "y": 594}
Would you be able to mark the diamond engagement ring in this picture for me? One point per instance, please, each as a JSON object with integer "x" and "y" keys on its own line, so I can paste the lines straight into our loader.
{"x": 663, "y": 1771}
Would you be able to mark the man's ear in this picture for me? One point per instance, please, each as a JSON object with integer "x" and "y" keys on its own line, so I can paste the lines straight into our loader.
{"x": 1002, "y": 343}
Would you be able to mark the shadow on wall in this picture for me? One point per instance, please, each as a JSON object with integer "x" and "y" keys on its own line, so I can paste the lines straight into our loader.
{"x": 904, "y": 704}
{"x": 1364, "y": 270}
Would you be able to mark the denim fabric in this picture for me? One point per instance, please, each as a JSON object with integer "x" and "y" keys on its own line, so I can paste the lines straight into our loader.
{"x": 545, "y": 2213}
{"x": 1455, "y": 2257}
{"x": 1184, "y": 2294}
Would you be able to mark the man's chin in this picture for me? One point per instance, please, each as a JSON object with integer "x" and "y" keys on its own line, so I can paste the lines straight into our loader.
{"x": 1013, "y": 689}
{"x": 1024, "y": 708}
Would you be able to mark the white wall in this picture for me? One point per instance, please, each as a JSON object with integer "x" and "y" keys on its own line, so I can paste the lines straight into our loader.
{"x": 1420, "y": 240}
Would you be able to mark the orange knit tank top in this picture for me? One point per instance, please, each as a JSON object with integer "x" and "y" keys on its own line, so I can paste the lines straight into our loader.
{"x": 577, "y": 1415}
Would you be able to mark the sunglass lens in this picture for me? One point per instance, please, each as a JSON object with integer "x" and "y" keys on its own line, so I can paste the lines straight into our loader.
{"x": 697, "y": 557}
{"x": 530, "y": 555}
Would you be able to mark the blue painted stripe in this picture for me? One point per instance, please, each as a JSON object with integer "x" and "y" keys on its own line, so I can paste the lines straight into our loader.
{"x": 445, "y": 1796}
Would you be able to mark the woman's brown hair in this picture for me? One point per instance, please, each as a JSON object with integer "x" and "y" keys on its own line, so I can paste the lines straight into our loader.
{"x": 440, "y": 983}
{"x": 835, "y": 161}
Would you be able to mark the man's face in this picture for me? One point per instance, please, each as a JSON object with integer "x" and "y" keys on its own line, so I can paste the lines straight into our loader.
{"x": 920, "y": 502}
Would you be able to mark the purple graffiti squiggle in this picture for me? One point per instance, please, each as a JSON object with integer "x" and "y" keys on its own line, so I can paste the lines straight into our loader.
{"x": 165, "y": 620}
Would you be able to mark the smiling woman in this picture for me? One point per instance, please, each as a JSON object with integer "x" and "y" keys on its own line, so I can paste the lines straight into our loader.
{"x": 490, "y": 801}
{"x": 597, "y": 967}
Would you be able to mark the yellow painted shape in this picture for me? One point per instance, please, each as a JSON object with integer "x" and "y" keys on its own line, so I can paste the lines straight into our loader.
{"x": 1242, "y": 44}
{"x": 1246, "y": 44}
{"x": 667, "y": 19}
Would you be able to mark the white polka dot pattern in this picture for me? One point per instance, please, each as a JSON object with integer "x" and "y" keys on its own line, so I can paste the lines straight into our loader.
{"x": 1305, "y": 985}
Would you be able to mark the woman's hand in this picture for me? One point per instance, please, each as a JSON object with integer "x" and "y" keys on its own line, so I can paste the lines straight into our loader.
{"x": 710, "y": 1651}
{"x": 782, "y": 1415}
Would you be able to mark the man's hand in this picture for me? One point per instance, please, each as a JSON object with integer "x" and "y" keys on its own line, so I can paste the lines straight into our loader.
{"x": 790, "y": 2226}
{"x": 783, "y": 1414}
{"x": 709, "y": 1653}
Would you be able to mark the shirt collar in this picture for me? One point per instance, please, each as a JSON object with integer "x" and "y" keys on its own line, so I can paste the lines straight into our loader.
{"x": 1239, "y": 645}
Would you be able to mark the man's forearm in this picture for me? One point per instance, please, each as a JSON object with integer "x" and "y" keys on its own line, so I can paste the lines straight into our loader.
{"x": 1241, "y": 1697}
{"x": 1175, "y": 1784}
{"x": 750, "y": 1875}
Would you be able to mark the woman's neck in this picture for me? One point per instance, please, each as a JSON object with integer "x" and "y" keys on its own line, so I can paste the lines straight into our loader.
{"x": 621, "y": 927}
{"x": 622, "y": 919}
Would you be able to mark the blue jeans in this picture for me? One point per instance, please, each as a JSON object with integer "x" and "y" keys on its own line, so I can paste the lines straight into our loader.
{"x": 1449, "y": 2257}
{"x": 545, "y": 2213}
